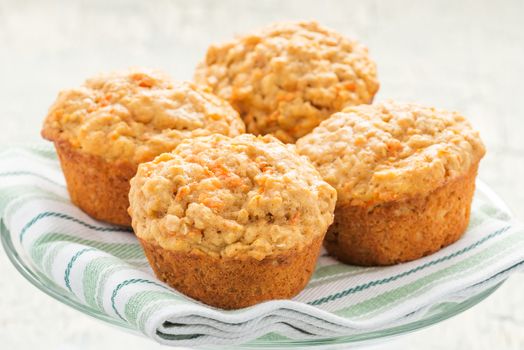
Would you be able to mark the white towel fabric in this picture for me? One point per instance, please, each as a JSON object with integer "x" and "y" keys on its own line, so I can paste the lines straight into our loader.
{"x": 103, "y": 268}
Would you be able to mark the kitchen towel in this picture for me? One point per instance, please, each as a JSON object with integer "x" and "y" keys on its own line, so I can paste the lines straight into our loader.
{"x": 102, "y": 268}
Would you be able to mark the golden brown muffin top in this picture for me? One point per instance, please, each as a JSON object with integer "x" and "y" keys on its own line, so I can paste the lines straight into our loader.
{"x": 286, "y": 78}
{"x": 236, "y": 197}
{"x": 390, "y": 151}
{"x": 136, "y": 114}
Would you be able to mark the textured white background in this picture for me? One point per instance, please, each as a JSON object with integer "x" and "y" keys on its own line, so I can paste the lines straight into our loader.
{"x": 463, "y": 55}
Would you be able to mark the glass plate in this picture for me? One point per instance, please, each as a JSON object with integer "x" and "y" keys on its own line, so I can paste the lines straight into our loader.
{"x": 436, "y": 314}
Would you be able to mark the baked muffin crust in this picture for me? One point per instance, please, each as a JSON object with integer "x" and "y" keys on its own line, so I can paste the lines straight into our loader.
{"x": 391, "y": 151}
{"x": 286, "y": 78}
{"x": 134, "y": 115}
{"x": 236, "y": 197}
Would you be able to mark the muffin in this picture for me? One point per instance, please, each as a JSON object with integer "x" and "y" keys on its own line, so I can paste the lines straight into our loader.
{"x": 105, "y": 128}
{"x": 231, "y": 221}
{"x": 288, "y": 77}
{"x": 405, "y": 177}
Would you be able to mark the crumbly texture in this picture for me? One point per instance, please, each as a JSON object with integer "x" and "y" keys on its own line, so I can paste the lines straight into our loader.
{"x": 231, "y": 197}
{"x": 134, "y": 115}
{"x": 391, "y": 151}
{"x": 401, "y": 231}
{"x": 232, "y": 283}
{"x": 288, "y": 77}
{"x": 97, "y": 187}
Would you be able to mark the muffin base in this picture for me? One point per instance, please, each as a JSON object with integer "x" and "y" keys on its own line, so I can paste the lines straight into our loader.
{"x": 96, "y": 186}
{"x": 396, "y": 232}
{"x": 231, "y": 283}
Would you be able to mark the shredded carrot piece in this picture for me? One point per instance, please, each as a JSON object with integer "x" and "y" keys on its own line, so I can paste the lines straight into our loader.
{"x": 219, "y": 169}
{"x": 234, "y": 181}
{"x": 350, "y": 86}
{"x": 213, "y": 203}
{"x": 273, "y": 116}
{"x": 294, "y": 219}
{"x": 285, "y": 97}
{"x": 182, "y": 192}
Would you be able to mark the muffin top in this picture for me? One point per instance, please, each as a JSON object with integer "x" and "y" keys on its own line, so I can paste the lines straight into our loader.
{"x": 246, "y": 196}
{"x": 288, "y": 77}
{"x": 136, "y": 114}
{"x": 391, "y": 151}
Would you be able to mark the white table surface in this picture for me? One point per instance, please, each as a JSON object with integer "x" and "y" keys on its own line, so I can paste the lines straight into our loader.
{"x": 463, "y": 55}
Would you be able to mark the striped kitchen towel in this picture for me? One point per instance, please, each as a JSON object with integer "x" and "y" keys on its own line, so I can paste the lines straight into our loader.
{"x": 102, "y": 267}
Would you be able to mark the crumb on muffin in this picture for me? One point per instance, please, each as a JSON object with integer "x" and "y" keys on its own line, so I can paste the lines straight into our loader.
{"x": 136, "y": 114}
{"x": 231, "y": 197}
{"x": 391, "y": 151}
{"x": 287, "y": 77}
